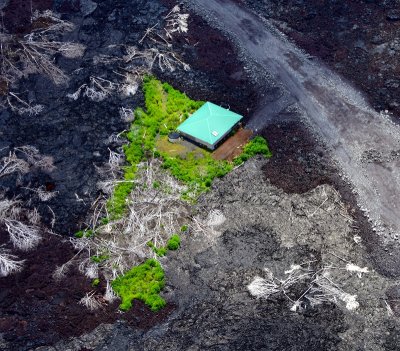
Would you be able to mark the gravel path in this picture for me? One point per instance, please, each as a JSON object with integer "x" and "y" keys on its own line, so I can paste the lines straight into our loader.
{"x": 365, "y": 144}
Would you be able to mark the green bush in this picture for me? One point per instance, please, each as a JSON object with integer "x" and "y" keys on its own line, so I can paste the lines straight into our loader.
{"x": 105, "y": 220}
{"x": 79, "y": 234}
{"x": 256, "y": 146}
{"x": 95, "y": 282}
{"x": 184, "y": 228}
{"x": 144, "y": 283}
{"x": 117, "y": 204}
{"x": 162, "y": 251}
{"x": 174, "y": 242}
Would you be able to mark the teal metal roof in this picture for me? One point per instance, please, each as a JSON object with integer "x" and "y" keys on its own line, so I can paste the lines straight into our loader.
{"x": 209, "y": 123}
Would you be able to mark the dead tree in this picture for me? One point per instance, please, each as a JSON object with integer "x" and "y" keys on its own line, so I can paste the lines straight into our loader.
{"x": 12, "y": 164}
{"x": 23, "y": 236}
{"x": 34, "y": 53}
{"x": 154, "y": 214}
{"x": 9, "y": 263}
{"x": 319, "y": 285}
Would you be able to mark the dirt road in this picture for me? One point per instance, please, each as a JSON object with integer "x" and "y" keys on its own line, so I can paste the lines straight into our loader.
{"x": 364, "y": 143}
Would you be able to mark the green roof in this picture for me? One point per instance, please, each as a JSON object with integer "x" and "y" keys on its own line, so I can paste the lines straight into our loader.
{"x": 209, "y": 123}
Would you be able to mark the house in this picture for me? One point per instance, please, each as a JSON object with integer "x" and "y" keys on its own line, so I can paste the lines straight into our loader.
{"x": 209, "y": 125}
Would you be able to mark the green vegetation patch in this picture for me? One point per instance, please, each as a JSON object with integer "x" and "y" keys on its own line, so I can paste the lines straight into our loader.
{"x": 144, "y": 283}
{"x": 87, "y": 233}
{"x": 162, "y": 251}
{"x": 99, "y": 258}
{"x": 174, "y": 242}
{"x": 256, "y": 146}
{"x": 117, "y": 203}
{"x": 196, "y": 169}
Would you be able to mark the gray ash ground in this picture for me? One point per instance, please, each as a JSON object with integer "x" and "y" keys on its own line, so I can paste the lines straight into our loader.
{"x": 209, "y": 306}
{"x": 359, "y": 39}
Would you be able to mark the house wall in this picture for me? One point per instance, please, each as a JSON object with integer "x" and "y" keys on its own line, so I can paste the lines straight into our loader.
{"x": 197, "y": 141}
{"x": 211, "y": 147}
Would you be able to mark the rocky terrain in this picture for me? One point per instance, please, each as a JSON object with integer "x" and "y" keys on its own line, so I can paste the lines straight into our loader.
{"x": 253, "y": 225}
{"x": 291, "y": 209}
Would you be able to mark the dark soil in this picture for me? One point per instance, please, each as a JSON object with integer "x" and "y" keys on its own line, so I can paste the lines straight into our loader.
{"x": 37, "y": 310}
{"x": 233, "y": 146}
{"x": 17, "y": 15}
{"x": 298, "y": 164}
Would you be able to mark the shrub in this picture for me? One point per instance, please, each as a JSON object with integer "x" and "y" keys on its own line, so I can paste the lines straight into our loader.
{"x": 162, "y": 251}
{"x": 256, "y": 146}
{"x": 95, "y": 282}
{"x": 117, "y": 204}
{"x": 174, "y": 242}
{"x": 105, "y": 220}
{"x": 184, "y": 228}
{"x": 79, "y": 234}
{"x": 144, "y": 283}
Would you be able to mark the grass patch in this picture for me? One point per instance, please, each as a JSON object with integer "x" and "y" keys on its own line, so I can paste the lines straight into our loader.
{"x": 143, "y": 282}
{"x": 163, "y": 146}
{"x": 197, "y": 170}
